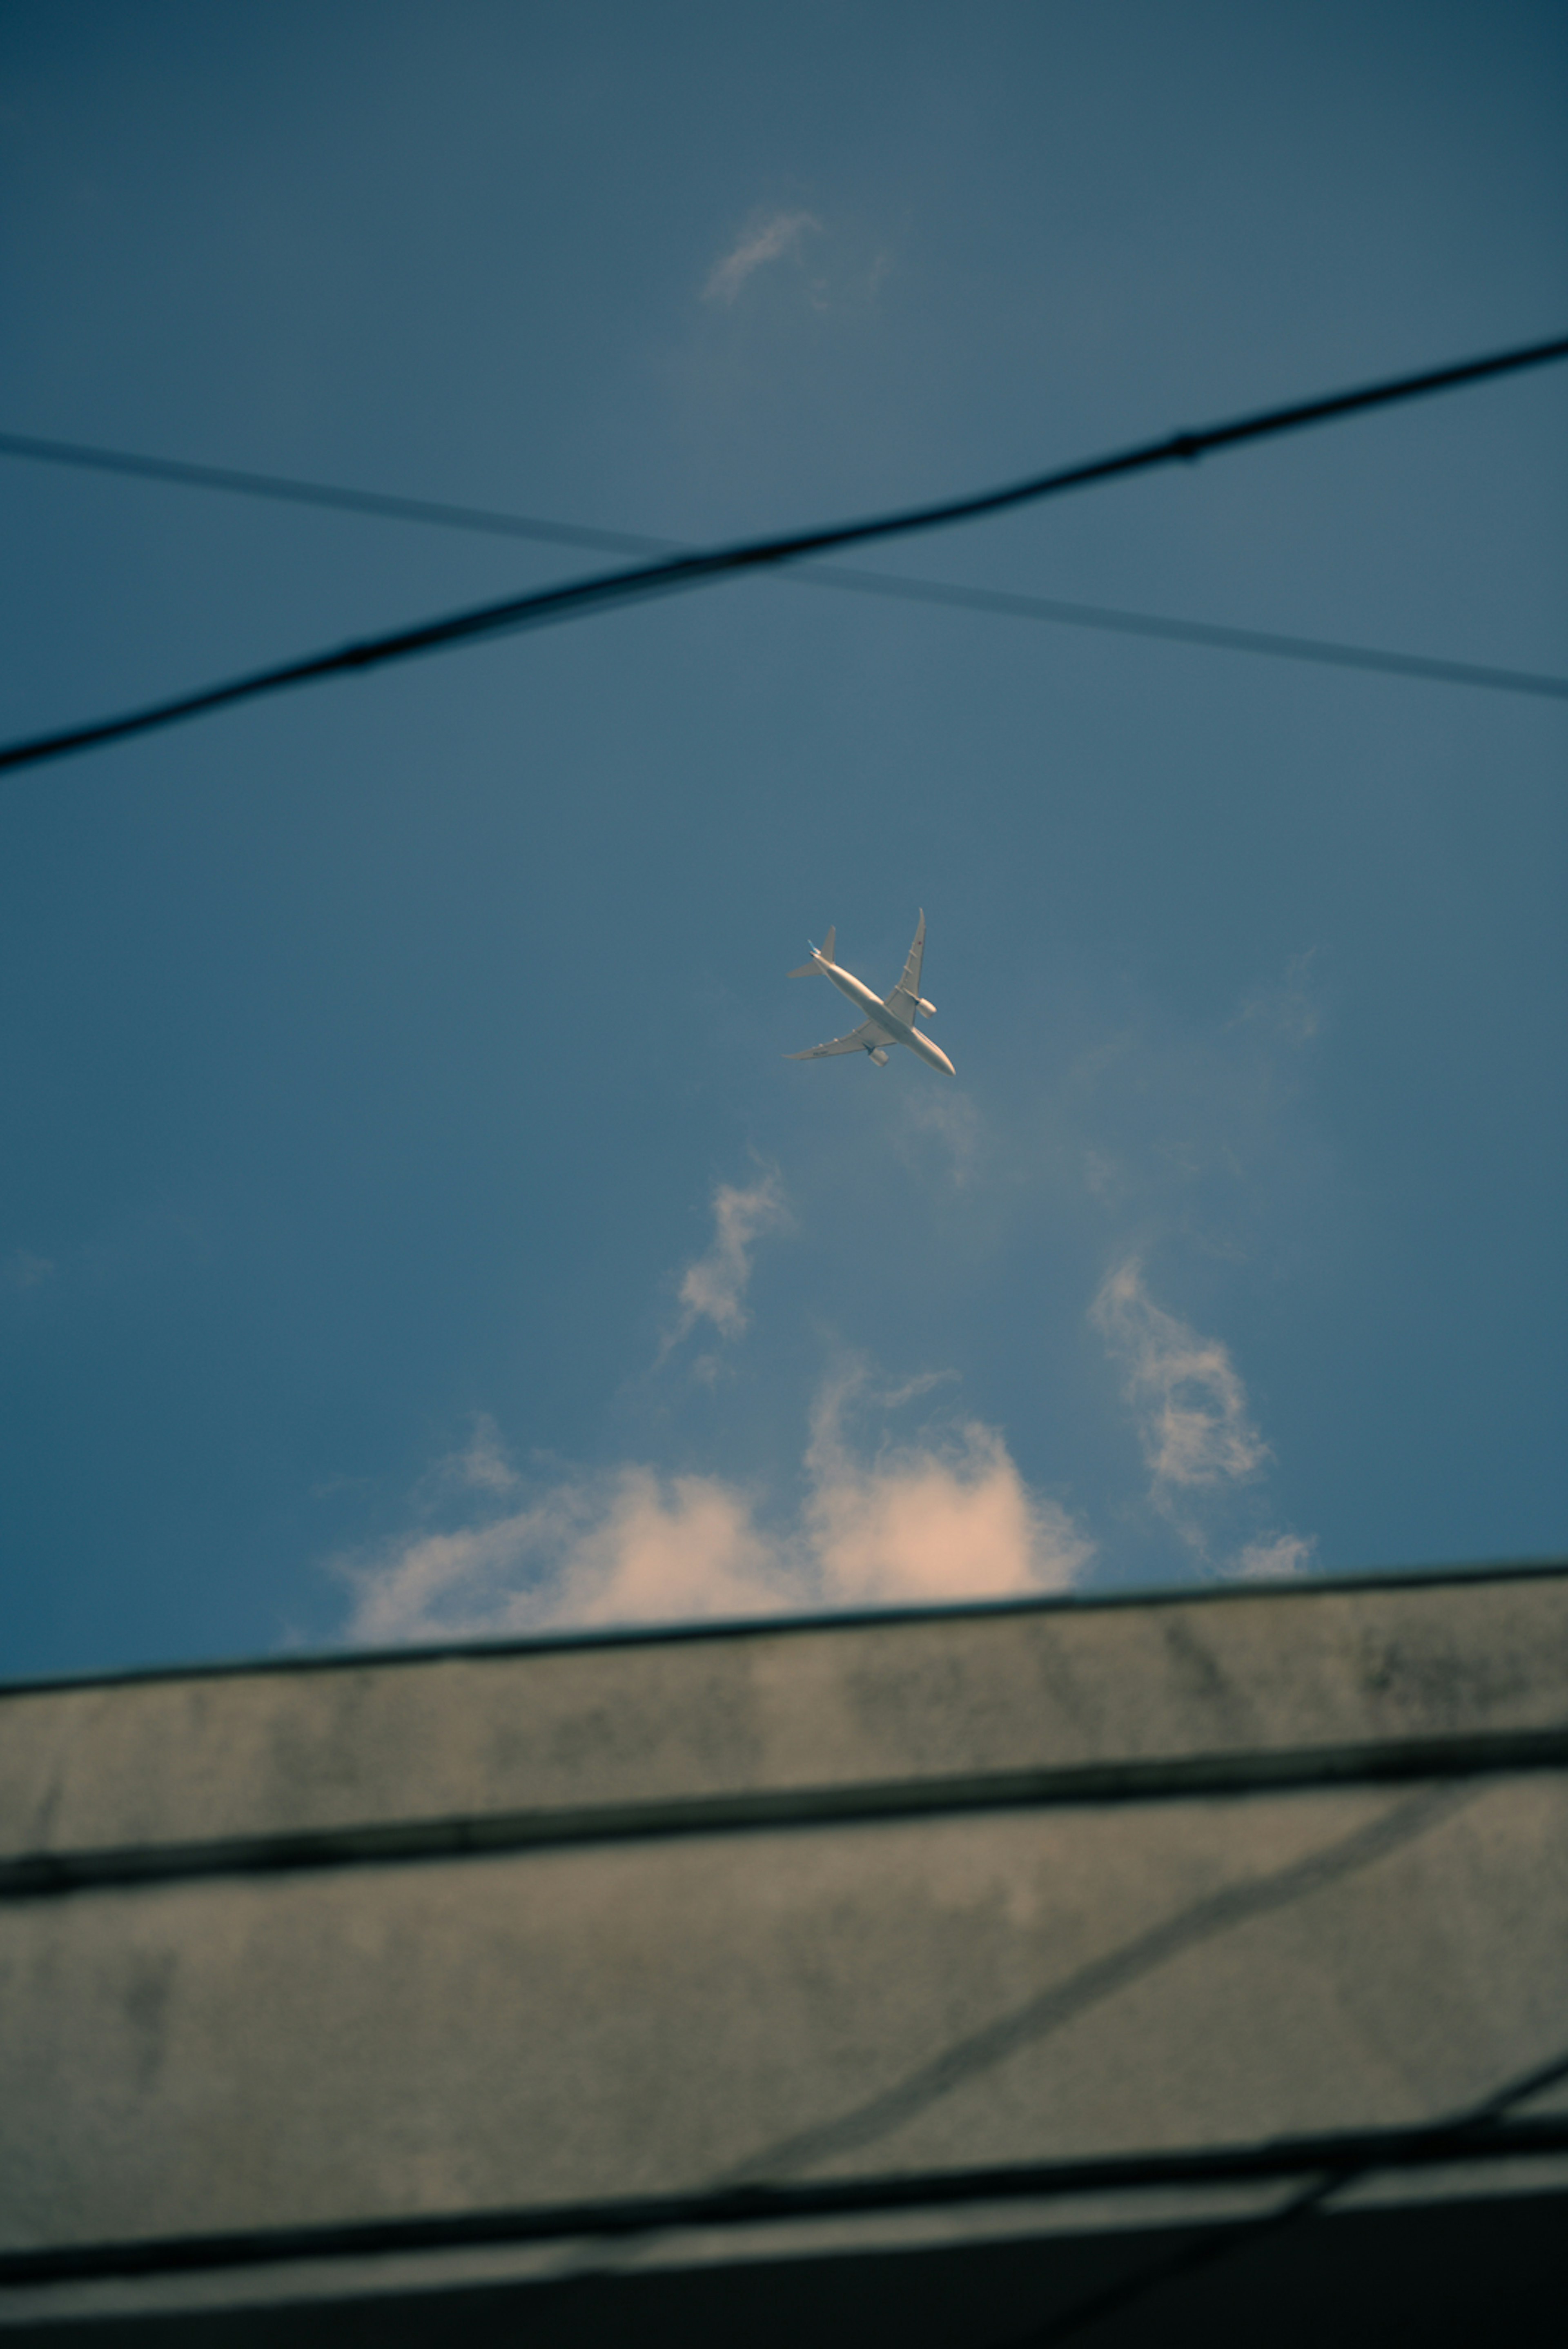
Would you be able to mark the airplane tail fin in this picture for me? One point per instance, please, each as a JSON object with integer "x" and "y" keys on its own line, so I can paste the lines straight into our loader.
{"x": 826, "y": 950}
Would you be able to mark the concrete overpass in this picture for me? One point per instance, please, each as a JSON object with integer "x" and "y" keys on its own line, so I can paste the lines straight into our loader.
{"x": 1191, "y": 1968}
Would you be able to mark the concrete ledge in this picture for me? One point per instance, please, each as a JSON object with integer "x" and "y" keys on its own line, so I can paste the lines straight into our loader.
{"x": 1169, "y": 2264}
{"x": 775, "y": 1712}
{"x": 910, "y": 1980}
{"x": 38, "y": 1875}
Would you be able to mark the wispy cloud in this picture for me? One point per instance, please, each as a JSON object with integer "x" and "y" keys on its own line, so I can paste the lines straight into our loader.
{"x": 768, "y": 239}
{"x": 1292, "y": 1009}
{"x": 948, "y": 1517}
{"x": 1199, "y": 1442}
{"x": 1191, "y": 1407}
{"x": 25, "y": 1270}
{"x": 713, "y": 1288}
{"x": 626, "y": 1546}
{"x": 1201, "y": 1132}
{"x": 943, "y": 1127}
{"x": 482, "y": 1466}
{"x": 1275, "y": 1560}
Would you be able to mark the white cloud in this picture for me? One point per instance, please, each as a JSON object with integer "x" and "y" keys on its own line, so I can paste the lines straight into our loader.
{"x": 911, "y": 1390}
{"x": 1199, "y": 1442}
{"x": 429, "y": 1585}
{"x": 664, "y": 1549}
{"x": 1192, "y": 1409}
{"x": 766, "y": 240}
{"x": 482, "y": 1465}
{"x": 950, "y": 1521}
{"x": 1275, "y": 1560}
{"x": 950, "y": 1518}
{"x": 630, "y": 1547}
{"x": 713, "y": 1288}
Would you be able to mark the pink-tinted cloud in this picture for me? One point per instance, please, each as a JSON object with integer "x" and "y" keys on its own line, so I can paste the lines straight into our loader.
{"x": 949, "y": 1519}
{"x": 766, "y": 240}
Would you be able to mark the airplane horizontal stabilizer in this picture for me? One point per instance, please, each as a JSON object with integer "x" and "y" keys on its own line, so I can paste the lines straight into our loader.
{"x": 825, "y": 952}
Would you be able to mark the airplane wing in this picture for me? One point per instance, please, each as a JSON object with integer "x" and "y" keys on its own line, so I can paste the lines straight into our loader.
{"x": 906, "y": 994}
{"x": 865, "y": 1036}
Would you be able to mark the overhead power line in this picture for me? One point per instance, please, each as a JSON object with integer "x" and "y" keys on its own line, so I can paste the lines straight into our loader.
{"x": 1272, "y": 643}
{"x": 1457, "y": 2138}
{"x": 284, "y": 490}
{"x": 1481, "y": 2136}
{"x": 1320, "y": 649}
{"x": 672, "y": 574}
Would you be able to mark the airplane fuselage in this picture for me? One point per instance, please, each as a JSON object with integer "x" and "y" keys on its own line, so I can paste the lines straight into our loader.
{"x": 896, "y": 1030}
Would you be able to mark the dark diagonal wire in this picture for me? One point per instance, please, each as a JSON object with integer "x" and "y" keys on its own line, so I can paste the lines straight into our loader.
{"x": 283, "y": 490}
{"x": 1456, "y": 2134}
{"x": 675, "y": 572}
{"x": 1272, "y": 642}
{"x": 1323, "y": 650}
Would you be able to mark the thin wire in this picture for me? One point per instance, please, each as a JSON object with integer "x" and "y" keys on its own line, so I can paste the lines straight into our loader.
{"x": 676, "y": 572}
{"x": 1223, "y": 2243}
{"x": 846, "y": 2197}
{"x": 1272, "y": 642}
{"x": 287, "y": 491}
{"x": 1321, "y": 649}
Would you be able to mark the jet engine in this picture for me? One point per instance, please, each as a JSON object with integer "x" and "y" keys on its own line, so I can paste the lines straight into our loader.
{"x": 928, "y": 1008}
{"x": 879, "y": 1056}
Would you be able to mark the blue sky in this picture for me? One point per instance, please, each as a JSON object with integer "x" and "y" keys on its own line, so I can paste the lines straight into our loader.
{"x": 409, "y": 1225}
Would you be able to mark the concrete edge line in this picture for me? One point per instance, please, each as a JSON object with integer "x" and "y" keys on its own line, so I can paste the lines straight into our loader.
{"x": 1141, "y": 2213}
{"x": 1451, "y": 2160}
{"x": 39, "y": 1875}
{"x": 759, "y": 1627}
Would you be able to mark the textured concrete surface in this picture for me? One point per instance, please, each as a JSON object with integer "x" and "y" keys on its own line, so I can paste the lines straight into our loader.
{"x": 572, "y": 2025}
{"x": 263, "y": 2047}
{"x": 192, "y": 1756}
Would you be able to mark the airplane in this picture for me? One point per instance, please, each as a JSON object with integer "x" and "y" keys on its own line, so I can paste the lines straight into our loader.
{"x": 891, "y": 1020}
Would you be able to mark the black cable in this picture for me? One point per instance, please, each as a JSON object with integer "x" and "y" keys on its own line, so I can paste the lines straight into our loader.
{"x": 852, "y": 2197}
{"x": 1323, "y": 650}
{"x": 1268, "y": 642}
{"x": 1444, "y": 2140}
{"x": 284, "y": 490}
{"x": 675, "y": 572}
